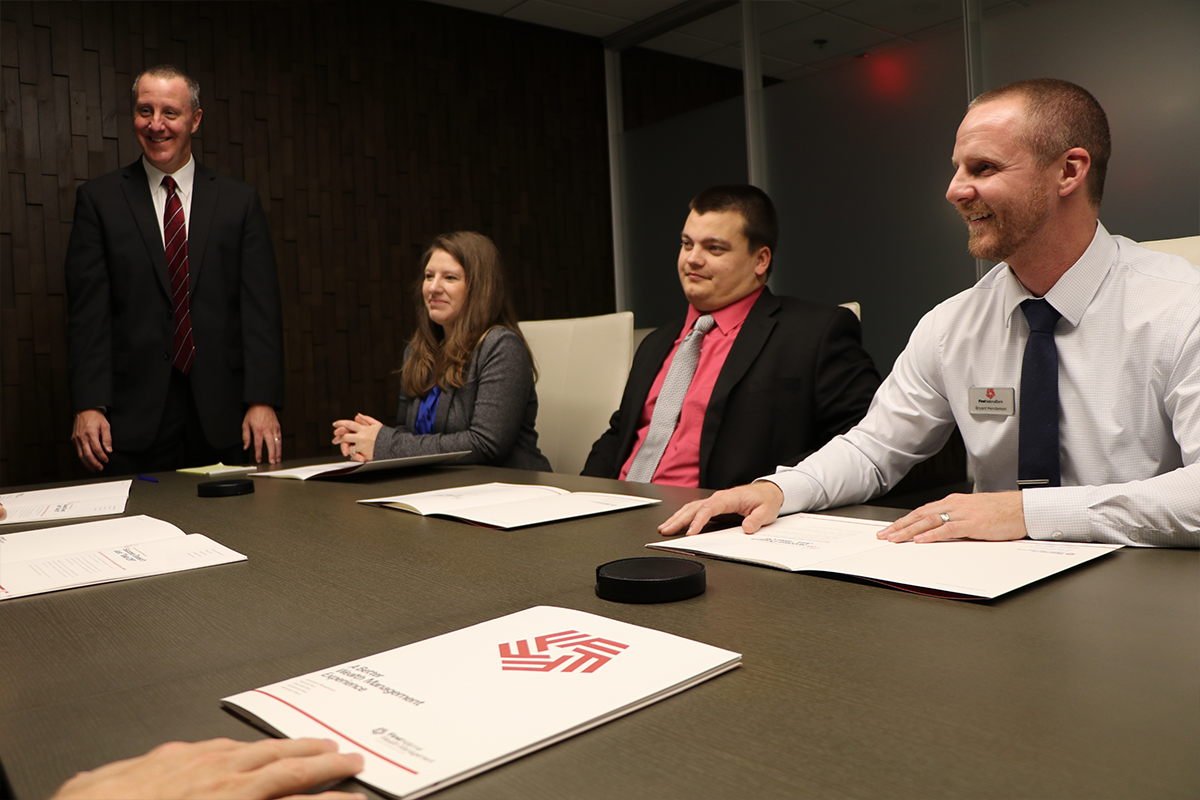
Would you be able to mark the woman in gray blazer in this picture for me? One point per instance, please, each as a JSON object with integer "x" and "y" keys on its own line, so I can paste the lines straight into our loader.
{"x": 467, "y": 380}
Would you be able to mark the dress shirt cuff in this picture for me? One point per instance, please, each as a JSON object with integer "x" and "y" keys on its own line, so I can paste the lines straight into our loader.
{"x": 1058, "y": 514}
{"x": 800, "y": 491}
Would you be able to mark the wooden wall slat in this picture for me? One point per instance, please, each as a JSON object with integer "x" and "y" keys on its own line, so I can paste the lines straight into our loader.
{"x": 362, "y": 151}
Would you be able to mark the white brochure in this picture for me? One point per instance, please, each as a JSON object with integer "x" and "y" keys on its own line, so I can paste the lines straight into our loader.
{"x": 439, "y": 711}
{"x": 349, "y": 467}
{"x": 960, "y": 568}
{"x": 509, "y": 505}
{"x": 66, "y": 502}
{"x": 50, "y": 559}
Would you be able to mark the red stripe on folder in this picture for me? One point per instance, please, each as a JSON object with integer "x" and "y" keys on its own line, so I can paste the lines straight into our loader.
{"x": 336, "y": 731}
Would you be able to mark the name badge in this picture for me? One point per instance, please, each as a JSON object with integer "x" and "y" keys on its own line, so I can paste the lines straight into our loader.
{"x": 992, "y": 400}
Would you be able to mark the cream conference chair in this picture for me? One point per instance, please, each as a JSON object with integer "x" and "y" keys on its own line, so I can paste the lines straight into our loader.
{"x": 582, "y": 366}
{"x": 1187, "y": 246}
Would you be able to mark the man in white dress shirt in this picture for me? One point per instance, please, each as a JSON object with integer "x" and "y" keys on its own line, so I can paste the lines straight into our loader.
{"x": 1029, "y": 164}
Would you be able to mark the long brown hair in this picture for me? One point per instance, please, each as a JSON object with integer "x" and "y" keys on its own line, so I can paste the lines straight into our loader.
{"x": 441, "y": 359}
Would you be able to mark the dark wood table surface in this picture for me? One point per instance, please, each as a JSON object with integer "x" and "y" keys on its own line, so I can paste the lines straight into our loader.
{"x": 1086, "y": 685}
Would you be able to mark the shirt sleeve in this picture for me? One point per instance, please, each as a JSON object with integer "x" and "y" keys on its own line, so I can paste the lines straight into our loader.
{"x": 89, "y": 332}
{"x": 1163, "y": 510}
{"x": 908, "y": 421}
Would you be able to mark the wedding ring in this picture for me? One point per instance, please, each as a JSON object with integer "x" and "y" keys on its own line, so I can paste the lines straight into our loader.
{"x": 353, "y": 450}
{"x": 945, "y": 517}
{"x": 277, "y": 438}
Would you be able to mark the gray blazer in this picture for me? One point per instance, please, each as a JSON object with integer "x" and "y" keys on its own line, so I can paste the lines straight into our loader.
{"x": 492, "y": 415}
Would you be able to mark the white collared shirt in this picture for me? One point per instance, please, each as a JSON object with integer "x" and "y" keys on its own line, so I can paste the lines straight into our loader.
{"x": 184, "y": 179}
{"x": 1129, "y": 393}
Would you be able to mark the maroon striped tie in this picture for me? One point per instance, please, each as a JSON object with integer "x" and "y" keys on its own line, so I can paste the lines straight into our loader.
{"x": 175, "y": 233}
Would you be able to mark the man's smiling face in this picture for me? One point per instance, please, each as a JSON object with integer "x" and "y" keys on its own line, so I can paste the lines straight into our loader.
{"x": 1003, "y": 194}
{"x": 716, "y": 264}
{"x": 164, "y": 121}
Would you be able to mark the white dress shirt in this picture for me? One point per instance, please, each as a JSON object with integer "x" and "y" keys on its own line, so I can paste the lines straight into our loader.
{"x": 184, "y": 178}
{"x": 1129, "y": 393}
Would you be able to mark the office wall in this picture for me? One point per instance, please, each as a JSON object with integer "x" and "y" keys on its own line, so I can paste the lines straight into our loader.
{"x": 857, "y": 176}
{"x": 859, "y": 157}
{"x": 685, "y": 129}
{"x": 666, "y": 165}
{"x": 1142, "y": 62}
{"x": 367, "y": 129}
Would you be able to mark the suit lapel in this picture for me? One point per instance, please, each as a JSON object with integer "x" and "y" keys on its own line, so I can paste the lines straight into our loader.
{"x": 443, "y": 410}
{"x": 658, "y": 346}
{"x": 749, "y": 343}
{"x": 204, "y": 206}
{"x": 136, "y": 187}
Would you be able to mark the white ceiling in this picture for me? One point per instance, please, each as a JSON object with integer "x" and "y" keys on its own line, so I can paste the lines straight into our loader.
{"x": 791, "y": 30}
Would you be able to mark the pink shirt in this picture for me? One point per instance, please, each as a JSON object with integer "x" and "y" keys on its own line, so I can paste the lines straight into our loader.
{"x": 680, "y": 464}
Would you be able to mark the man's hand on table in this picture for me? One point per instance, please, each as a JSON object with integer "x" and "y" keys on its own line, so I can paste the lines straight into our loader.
{"x": 220, "y": 769}
{"x": 758, "y": 502}
{"x": 994, "y": 516}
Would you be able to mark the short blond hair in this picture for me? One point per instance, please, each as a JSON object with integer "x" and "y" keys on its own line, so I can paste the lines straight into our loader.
{"x": 1058, "y": 116}
{"x": 168, "y": 72}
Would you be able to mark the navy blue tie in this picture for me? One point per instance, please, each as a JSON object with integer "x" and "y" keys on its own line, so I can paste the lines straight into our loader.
{"x": 1037, "y": 456}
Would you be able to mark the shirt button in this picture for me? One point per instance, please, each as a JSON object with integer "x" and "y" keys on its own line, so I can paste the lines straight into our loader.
{"x": 1057, "y": 535}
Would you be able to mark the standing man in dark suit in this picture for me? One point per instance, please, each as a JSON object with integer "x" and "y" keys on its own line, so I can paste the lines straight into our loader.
{"x": 175, "y": 338}
{"x": 774, "y": 377}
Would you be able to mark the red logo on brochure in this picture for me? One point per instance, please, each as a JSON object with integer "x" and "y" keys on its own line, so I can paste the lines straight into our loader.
{"x": 565, "y": 651}
{"x": 991, "y": 393}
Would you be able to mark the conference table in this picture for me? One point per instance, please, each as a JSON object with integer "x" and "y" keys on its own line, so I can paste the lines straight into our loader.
{"x": 1084, "y": 685}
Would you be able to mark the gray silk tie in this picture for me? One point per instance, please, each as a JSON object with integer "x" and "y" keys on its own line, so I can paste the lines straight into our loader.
{"x": 670, "y": 402}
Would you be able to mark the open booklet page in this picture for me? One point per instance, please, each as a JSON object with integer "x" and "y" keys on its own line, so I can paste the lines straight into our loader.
{"x": 432, "y": 713}
{"x": 507, "y": 505}
{"x": 66, "y": 502}
{"x": 50, "y": 559}
{"x": 349, "y": 467}
{"x": 847, "y": 546}
{"x": 217, "y": 469}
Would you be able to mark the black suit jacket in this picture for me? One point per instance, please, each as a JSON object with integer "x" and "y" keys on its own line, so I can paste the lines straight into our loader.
{"x": 121, "y": 329}
{"x": 796, "y": 376}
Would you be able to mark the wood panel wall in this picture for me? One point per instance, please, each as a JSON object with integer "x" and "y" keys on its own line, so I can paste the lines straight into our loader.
{"x": 367, "y": 128}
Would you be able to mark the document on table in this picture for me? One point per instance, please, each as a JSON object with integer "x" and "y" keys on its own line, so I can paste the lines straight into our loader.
{"x": 66, "y": 502}
{"x": 509, "y": 505}
{"x": 433, "y": 713}
{"x": 847, "y": 546}
{"x": 348, "y": 467}
{"x": 219, "y": 468}
{"x": 50, "y": 559}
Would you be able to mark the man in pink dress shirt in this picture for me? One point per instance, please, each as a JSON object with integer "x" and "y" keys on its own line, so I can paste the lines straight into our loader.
{"x": 777, "y": 377}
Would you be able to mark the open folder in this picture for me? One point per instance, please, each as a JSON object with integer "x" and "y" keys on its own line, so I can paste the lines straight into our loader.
{"x": 509, "y": 505}
{"x": 66, "y": 556}
{"x": 66, "y": 502}
{"x": 349, "y": 467}
{"x": 957, "y": 569}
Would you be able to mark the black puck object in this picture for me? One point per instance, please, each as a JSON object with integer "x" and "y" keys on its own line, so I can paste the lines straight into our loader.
{"x": 230, "y": 487}
{"x": 651, "y": 579}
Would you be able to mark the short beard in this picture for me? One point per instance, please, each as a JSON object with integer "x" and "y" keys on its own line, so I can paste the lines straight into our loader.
{"x": 1013, "y": 226}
